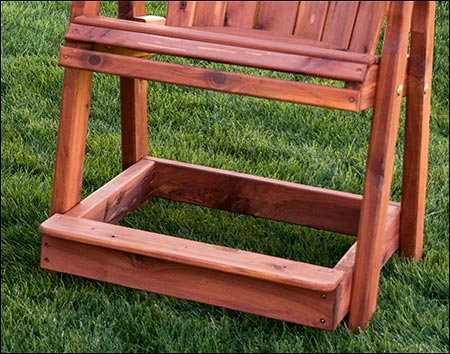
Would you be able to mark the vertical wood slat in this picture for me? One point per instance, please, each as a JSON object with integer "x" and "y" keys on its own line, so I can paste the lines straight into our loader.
{"x": 133, "y": 102}
{"x": 311, "y": 19}
{"x": 180, "y": 13}
{"x": 241, "y": 14}
{"x": 379, "y": 168}
{"x": 130, "y": 9}
{"x": 210, "y": 13}
{"x": 277, "y": 16}
{"x": 415, "y": 159}
{"x": 91, "y": 8}
{"x": 73, "y": 123}
{"x": 367, "y": 28}
{"x": 339, "y": 23}
{"x": 71, "y": 142}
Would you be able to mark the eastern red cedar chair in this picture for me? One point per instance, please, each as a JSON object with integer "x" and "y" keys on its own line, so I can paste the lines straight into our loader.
{"x": 334, "y": 40}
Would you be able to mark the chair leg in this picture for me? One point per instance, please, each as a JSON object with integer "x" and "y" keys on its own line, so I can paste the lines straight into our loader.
{"x": 379, "y": 169}
{"x": 72, "y": 130}
{"x": 71, "y": 144}
{"x": 133, "y": 102}
{"x": 415, "y": 160}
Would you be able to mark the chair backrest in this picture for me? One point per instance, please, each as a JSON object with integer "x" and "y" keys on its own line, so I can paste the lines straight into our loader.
{"x": 349, "y": 25}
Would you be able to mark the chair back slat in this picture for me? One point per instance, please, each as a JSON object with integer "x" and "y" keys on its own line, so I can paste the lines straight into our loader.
{"x": 311, "y": 19}
{"x": 210, "y": 13}
{"x": 339, "y": 23}
{"x": 367, "y": 26}
{"x": 277, "y": 16}
{"x": 349, "y": 25}
{"x": 241, "y": 14}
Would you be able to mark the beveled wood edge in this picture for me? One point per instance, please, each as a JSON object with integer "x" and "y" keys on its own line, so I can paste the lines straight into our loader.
{"x": 220, "y": 53}
{"x": 194, "y": 253}
{"x": 199, "y": 35}
{"x": 215, "y": 80}
{"x": 347, "y": 262}
{"x": 119, "y": 197}
{"x": 257, "y": 296}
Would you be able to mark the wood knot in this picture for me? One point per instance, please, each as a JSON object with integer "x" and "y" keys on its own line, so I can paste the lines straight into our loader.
{"x": 219, "y": 78}
{"x": 94, "y": 59}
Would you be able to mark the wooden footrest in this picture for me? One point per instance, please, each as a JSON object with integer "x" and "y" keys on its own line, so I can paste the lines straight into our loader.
{"x": 84, "y": 242}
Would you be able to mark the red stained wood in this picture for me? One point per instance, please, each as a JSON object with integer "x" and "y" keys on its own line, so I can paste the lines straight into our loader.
{"x": 238, "y": 292}
{"x": 222, "y": 38}
{"x": 311, "y": 19}
{"x": 289, "y": 91}
{"x": 193, "y": 253}
{"x": 79, "y": 238}
{"x": 71, "y": 141}
{"x": 367, "y": 27}
{"x": 379, "y": 166}
{"x": 415, "y": 163}
{"x": 133, "y": 101}
{"x": 339, "y": 23}
{"x": 241, "y": 14}
{"x": 277, "y": 16}
{"x": 257, "y": 196}
{"x": 119, "y": 197}
{"x": 210, "y": 13}
{"x": 256, "y": 58}
{"x": 180, "y": 13}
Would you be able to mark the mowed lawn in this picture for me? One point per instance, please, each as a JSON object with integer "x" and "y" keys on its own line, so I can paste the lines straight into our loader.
{"x": 52, "y": 312}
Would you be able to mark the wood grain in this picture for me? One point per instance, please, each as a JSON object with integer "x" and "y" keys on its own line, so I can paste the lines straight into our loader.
{"x": 379, "y": 166}
{"x": 119, "y": 197}
{"x": 133, "y": 102}
{"x": 269, "y": 60}
{"x": 220, "y": 38}
{"x": 415, "y": 159}
{"x": 194, "y": 253}
{"x": 289, "y": 91}
{"x": 233, "y": 291}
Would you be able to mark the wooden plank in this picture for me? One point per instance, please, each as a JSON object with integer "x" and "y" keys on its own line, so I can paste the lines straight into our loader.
{"x": 367, "y": 27}
{"x": 267, "y": 37}
{"x": 130, "y": 9}
{"x": 311, "y": 19}
{"x": 347, "y": 262}
{"x": 78, "y": 8}
{"x": 257, "y": 296}
{"x": 380, "y": 166}
{"x": 220, "y": 38}
{"x": 339, "y": 23}
{"x": 277, "y": 16}
{"x": 288, "y": 91}
{"x": 331, "y": 69}
{"x": 133, "y": 102}
{"x": 210, "y": 13}
{"x": 257, "y": 196}
{"x": 180, "y": 13}
{"x": 194, "y": 253}
{"x": 72, "y": 130}
{"x": 71, "y": 141}
{"x": 241, "y": 14}
{"x": 415, "y": 160}
{"x": 119, "y": 197}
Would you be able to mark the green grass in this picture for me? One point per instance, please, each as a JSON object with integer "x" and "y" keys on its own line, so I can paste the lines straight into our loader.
{"x": 51, "y": 312}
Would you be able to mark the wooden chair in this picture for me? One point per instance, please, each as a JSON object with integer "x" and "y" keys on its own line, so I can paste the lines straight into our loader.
{"x": 334, "y": 40}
